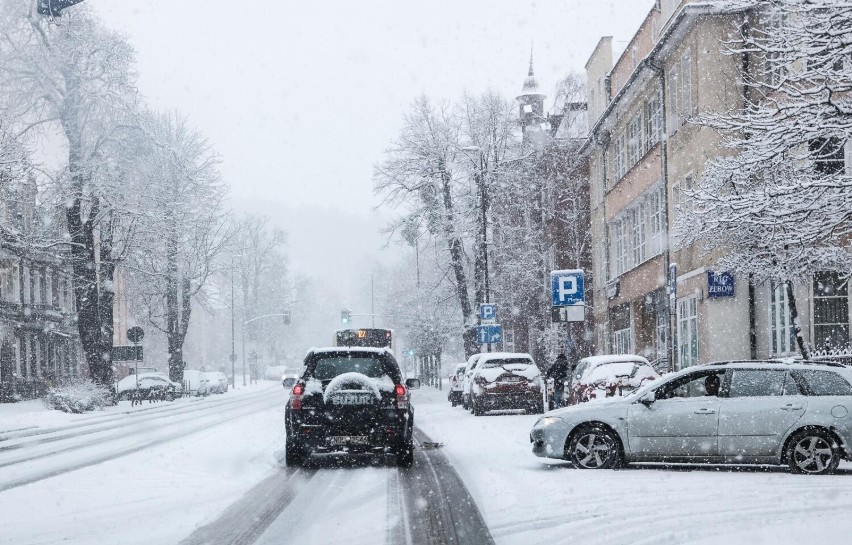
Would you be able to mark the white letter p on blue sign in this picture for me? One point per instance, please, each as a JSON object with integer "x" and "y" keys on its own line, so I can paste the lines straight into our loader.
{"x": 567, "y": 287}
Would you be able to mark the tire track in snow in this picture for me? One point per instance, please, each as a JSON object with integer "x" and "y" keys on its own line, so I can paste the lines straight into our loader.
{"x": 161, "y": 436}
{"x": 438, "y": 508}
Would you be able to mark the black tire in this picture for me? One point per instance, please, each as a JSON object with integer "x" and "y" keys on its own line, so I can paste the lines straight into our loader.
{"x": 478, "y": 409}
{"x": 464, "y": 403}
{"x": 405, "y": 456}
{"x": 594, "y": 447}
{"x": 294, "y": 454}
{"x": 813, "y": 452}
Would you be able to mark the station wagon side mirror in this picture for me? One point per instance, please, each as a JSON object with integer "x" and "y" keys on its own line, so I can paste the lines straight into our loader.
{"x": 648, "y": 398}
{"x": 412, "y": 383}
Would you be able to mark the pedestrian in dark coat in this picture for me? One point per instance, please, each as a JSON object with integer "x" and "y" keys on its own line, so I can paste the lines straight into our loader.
{"x": 559, "y": 372}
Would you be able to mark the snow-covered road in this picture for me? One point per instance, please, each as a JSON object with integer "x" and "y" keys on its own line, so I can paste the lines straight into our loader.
{"x": 209, "y": 471}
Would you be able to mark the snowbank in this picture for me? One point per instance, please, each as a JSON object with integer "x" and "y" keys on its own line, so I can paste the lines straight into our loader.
{"x": 78, "y": 397}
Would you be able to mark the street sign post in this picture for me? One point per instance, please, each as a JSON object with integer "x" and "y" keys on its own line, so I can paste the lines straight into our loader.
{"x": 489, "y": 334}
{"x": 487, "y": 313}
{"x": 568, "y": 289}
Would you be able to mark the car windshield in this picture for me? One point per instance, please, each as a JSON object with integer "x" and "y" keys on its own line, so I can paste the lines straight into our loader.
{"x": 500, "y": 363}
{"x": 327, "y": 368}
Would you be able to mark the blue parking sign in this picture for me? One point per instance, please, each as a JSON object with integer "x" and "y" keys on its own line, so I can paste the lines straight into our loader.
{"x": 488, "y": 313}
{"x": 568, "y": 287}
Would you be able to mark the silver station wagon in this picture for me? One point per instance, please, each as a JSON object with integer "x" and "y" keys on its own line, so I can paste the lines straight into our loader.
{"x": 795, "y": 414}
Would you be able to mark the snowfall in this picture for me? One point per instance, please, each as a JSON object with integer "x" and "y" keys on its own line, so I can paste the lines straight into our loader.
{"x": 156, "y": 473}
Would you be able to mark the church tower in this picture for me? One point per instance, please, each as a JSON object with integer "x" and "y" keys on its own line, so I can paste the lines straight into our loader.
{"x": 531, "y": 106}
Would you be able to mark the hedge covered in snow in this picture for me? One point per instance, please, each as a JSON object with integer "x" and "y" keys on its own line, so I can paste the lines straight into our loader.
{"x": 78, "y": 396}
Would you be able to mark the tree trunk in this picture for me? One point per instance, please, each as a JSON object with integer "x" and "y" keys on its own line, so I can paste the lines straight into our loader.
{"x": 173, "y": 310}
{"x": 794, "y": 317}
{"x": 457, "y": 260}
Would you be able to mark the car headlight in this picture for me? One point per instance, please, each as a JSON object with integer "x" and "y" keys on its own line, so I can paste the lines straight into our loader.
{"x": 548, "y": 421}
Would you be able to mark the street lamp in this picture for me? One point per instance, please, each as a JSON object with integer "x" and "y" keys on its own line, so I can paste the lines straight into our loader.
{"x": 286, "y": 315}
{"x": 233, "y": 340}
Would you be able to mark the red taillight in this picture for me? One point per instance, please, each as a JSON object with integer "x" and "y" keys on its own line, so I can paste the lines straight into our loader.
{"x": 401, "y": 396}
{"x": 296, "y": 396}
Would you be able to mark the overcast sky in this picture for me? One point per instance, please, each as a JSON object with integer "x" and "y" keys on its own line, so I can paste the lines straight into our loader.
{"x": 301, "y": 98}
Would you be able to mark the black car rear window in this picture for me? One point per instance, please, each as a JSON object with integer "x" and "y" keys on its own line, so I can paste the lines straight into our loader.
{"x": 826, "y": 383}
{"x": 498, "y": 363}
{"x": 327, "y": 366}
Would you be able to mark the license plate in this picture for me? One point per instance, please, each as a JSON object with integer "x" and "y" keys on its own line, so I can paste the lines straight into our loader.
{"x": 512, "y": 379}
{"x": 351, "y": 399}
{"x": 350, "y": 440}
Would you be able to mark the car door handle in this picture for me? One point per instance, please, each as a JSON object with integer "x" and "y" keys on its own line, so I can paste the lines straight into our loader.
{"x": 705, "y": 411}
{"x": 791, "y": 407}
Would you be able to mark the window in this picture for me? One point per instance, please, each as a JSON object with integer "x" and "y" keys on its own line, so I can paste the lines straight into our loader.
{"x": 775, "y": 67}
{"x": 686, "y": 88}
{"x": 674, "y": 102}
{"x": 619, "y": 247}
{"x": 634, "y": 140}
{"x": 691, "y": 385}
{"x": 637, "y": 221}
{"x": 27, "y": 286}
{"x": 661, "y": 340}
{"x": 782, "y": 332}
{"x": 620, "y": 166}
{"x": 656, "y": 222}
{"x": 687, "y": 338}
{"x": 828, "y": 155}
{"x": 622, "y": 341}
{"x": 831, "y": 310}
{"x": 653, "y": 121}
{"x": 757, "y": 382}
{"x": 826, "y": 383}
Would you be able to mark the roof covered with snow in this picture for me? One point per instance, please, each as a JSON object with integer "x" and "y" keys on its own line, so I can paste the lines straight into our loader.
{"x": 613, "y": 358}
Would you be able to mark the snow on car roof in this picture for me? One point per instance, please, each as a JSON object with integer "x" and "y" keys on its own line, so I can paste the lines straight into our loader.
{"x": 489, "y": 356}
{"x": 364, "y": 349}
{"x": 613, "y": 358}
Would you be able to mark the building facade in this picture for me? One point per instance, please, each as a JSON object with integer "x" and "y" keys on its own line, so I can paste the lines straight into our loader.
{"x": 654, "y": 297}
{"x": 39, "y": 343}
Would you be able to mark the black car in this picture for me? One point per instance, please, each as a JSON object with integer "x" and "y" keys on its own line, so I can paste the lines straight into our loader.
{"x": 350, "y": 400}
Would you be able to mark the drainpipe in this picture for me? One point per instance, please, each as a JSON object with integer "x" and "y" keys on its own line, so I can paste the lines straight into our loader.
{"x": 601, "y": 142}
{"x": 671, "y": 303}
{"x": 752, "y": 303}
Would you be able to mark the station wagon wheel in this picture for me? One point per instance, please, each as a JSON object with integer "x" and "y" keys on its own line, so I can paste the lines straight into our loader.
{"x": 813, "y": 452}
{"x": 594, "y": 448}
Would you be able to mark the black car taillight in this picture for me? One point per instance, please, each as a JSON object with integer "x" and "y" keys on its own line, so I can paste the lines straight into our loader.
{"x": 401, "y": 393}
{"x": 296, "y": 396}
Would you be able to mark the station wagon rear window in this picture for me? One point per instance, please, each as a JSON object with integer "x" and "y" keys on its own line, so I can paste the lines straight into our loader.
{"x": 826, "y": 383}
{"x": 328, "y": 368}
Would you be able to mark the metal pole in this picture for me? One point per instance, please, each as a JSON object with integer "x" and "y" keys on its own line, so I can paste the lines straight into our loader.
{"x": 244, "y": 353}
{"x": 233, "y": 340}
{"x": 373, "y": 298}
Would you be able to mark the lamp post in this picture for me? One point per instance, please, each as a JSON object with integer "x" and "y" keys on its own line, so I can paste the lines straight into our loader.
{"x": 286, "y": 315}
{"x": 233, "y": 339}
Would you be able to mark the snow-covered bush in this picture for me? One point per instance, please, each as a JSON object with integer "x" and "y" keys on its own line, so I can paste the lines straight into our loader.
{"x": 78, "y": 396}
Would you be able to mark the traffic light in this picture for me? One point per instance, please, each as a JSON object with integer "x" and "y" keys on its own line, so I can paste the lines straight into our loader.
{"x": 345, "y": 316}
{"x": 54, "y": 7}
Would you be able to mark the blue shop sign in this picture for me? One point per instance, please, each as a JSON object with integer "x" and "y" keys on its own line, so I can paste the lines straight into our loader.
{"x": 720, "y": 284}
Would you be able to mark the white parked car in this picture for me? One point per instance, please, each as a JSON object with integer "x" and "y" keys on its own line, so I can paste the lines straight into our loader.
{"x": 148, "y": 383}
{"x": 597, "y": 377}
{"x": 456, "y": 380}
{"x": 470, "y": 367}
{"x": 504, "y": 380}
{"x": 217, "y": 382}
{"x": 195, "y": 382}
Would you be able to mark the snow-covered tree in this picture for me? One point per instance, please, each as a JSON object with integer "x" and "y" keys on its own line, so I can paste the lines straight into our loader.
{"x": 422, "y": 175}
{"x": 182, "y": 230}
{"x": 75, "y": 78}
{"x": 777, "y": 206}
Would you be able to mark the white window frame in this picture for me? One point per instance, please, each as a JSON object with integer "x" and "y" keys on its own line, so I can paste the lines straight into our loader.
{"x": 622, "y": 341}
{"x": 687, "y": 331}
{"x": 674, "y": 97}
{"x": 638, "y": 233}
{"x": 620, "y": 157}
{"x": 686, "y": 88}
{"x": 782, "y": 333}
{"x": 654, "y": 121}
{"x": 634, "y": 140}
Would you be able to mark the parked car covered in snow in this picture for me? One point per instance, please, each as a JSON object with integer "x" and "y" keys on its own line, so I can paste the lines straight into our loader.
{"x": 150, "y": 385}
{"x": 756, "y": 412}
{"x": 456, "y": 379}
{"x": 195, "y": 383}
{"x": 505, "y": 380}
{"x": 467, "y": 379}
{"x": 597, "y": 377}
{"x": 217, "y": 382}
{"x": 290, "y": 376}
